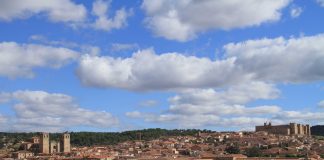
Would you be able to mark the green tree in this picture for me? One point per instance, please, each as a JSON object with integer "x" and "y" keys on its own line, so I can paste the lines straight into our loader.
{"x": 253, "y": 152}
{"x": 234, "y": 149}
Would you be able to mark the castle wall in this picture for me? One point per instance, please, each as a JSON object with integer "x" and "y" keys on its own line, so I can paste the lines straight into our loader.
{"x": 299, "y": 126}
{"x": 302, "y": 129}
{"x": 282, "y": 129}
{"x": 291, "y": 129}
{"x": 308, "y": 130}
{"x": 305, "y": 130}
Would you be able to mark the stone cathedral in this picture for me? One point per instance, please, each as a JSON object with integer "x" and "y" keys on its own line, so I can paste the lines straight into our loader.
{"x": 48, "y": 147}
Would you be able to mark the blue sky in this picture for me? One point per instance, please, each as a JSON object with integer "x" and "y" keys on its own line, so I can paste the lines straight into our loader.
{"x": 123, "y": 65}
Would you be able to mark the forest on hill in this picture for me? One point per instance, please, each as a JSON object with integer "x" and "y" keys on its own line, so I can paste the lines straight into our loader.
{"x": 317, "y": 130}
{"x": 105, "y": 138}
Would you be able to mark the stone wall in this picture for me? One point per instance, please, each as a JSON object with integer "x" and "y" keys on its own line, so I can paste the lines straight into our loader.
{"x": 291, "y": 129}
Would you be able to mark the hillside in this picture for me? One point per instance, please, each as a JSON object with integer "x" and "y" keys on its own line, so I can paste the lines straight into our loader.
{"x": 318, "y": 130}
{"x": 104, "y": 138}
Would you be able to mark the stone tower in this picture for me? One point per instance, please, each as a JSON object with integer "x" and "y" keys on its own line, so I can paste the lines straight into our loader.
{"x": 65, "y": 141}
{"x": 293, "y": 128}
{"x": 44, "y": 143}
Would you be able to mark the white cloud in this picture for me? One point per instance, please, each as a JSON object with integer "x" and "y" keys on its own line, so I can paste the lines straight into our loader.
{"x": 201, "y": 108}
{"x": 229, "y": 102}
{"x": 182, "y": 20}
{"x": 320, "y": 2}
{"x": 295, "y": 12}
{"x": 115, "y": 47}
{"x": 56, "y": 11}
{"x": 204, "y": 107}
{"x": 66, "y": 11}
{"x": 39, "y": 110}
{"x": 280, "y": 60}
{"x": 146, "y": 70}
{"x": 103, "y": 22}
{"x": 237, "y": 94}
{"x": 204, "y": 97}
{"x": 321, "y": 104}
{"x": 18, "y": 60}
{"x": 299, "y": 116}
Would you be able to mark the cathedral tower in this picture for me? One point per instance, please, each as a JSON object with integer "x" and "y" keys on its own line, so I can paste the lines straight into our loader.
{"x": 65, "y": 143}
{"x": 44, "y": 143}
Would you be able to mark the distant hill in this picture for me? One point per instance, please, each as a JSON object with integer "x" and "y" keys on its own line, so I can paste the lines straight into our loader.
{"x": 108, "y": 138}
{"x": 318, "y": 130}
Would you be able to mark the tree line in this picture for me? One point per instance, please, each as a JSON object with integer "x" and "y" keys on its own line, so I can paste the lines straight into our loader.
{"x": 106, "y": 138}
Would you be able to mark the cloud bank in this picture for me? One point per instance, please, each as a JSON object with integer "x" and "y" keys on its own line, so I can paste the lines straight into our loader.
{"x": 42, "y": 111}
{"x": 183, "y": 20}
{"x": 276, "y": 60}
{"x": 66, "y": 11}
{"x": 56, "y": 11}
{"x": 18, "y": 60}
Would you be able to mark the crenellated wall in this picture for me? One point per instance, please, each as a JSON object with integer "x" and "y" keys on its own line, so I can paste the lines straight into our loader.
{"x": 291, "y": 129}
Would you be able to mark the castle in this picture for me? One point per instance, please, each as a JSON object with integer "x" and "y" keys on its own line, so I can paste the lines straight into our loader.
{"x": 289, "y": 129}
{"x": 48, "y": 147}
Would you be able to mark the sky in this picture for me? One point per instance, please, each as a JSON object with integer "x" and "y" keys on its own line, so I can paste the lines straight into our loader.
{"x": 116, "y": 65}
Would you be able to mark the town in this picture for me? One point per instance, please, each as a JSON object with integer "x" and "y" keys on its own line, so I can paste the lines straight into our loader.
{"x": 291, "y": 141}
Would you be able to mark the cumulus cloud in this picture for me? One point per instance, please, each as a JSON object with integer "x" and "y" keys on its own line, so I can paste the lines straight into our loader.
{"x": 299, "y": 116}
{"x": 103, "y": 22}
{"x": 18, "y": 60}
{"x": 277, "y": 60}
{"x": 39, "y": 110}
{"x": 229, "y": 102}
{"x": 295, "y": 12}
{"x": 280, "y": 60}
{"x": 204, "y": 107}
{"x": 237, "y": 94}
{"x": 56, "y": 11}
{"x": 182, "y": 20}
{"x": 66, "y": 11}
{"x": 146, "y": 70}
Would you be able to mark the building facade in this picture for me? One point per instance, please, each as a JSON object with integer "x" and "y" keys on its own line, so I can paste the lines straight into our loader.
{"x": 290, "y": 129}
{"x": 22, "y": 154}
{"x": 48, "y": 147}
{"x": 55, "y": 147}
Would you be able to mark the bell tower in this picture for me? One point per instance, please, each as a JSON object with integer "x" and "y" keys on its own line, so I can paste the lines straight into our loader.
{"x": 44, "y": 143}
{"x": 66, "y": 146}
